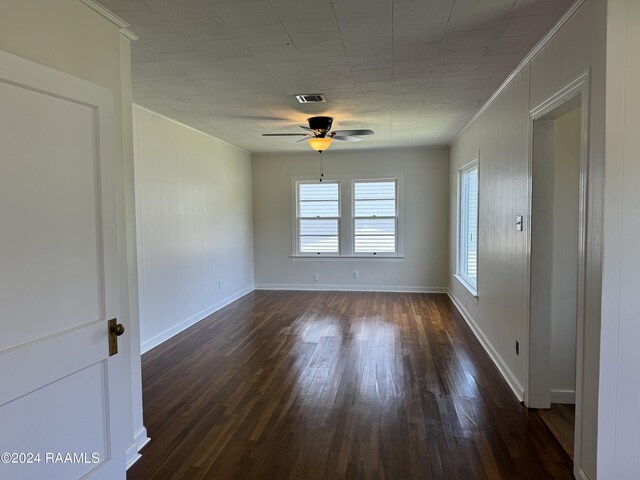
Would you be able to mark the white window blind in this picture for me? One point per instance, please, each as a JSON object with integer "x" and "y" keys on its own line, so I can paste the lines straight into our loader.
{"x": 318, "y": 217}
{"x": 375, "y": 217}
{"x": 468, "y": 253}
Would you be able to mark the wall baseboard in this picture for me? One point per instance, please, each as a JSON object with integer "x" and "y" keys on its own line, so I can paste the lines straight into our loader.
{"x": 579, "y": 474}
{"x": 563, "y": 396}
{"x": 509, "y": 377}
{"x": 170, "y": 332}
{"x": 350, "y": 288}
{"x": 140, "y": 439}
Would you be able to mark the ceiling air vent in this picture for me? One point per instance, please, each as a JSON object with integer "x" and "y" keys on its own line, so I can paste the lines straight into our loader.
{"x": 311, "y": 98}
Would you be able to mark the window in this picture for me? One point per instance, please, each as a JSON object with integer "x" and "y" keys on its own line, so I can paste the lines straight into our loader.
{"x": 375, "y": 218}
{"x": 468, "y": 225}
{"x": 346, "y": 218}
{"x": 318, "y": 218}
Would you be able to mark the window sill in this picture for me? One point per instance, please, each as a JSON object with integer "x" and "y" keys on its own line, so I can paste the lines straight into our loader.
{"x": 331, "y": 258}
{"x": 470, "y": 289}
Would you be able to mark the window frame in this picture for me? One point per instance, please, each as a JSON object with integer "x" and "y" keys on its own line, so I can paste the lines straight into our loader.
{"x": 354, "y": 218}
{"x": 346, "y": 222}
{"x": 296, "y": 231}
{"x": 469, "y": 283}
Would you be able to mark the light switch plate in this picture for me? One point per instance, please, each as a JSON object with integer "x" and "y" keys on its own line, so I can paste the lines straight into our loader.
{"x": 519, "y": 223}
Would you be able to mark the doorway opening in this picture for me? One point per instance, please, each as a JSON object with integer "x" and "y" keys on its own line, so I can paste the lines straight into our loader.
{"x": 558, "y": 179}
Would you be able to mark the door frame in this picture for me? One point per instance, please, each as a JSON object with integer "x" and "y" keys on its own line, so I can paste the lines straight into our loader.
{"x": 579, "y": 88}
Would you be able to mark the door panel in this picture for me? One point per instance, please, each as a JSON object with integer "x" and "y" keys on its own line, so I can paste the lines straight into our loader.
{"x": 58, "y": 277}
{"x": 49, "y": 206}
{"x": 51, "y": 417}
{"x": 29, "y": 367}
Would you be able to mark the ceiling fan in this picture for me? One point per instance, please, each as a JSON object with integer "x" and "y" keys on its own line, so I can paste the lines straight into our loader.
{"x": 319, "y": 136}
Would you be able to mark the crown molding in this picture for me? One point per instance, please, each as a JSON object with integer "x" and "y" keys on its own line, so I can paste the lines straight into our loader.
{"x": 525, "y": 61}
{"x": 113, "y": 18}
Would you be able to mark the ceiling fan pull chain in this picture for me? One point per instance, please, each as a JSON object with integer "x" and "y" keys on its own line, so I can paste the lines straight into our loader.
{"x": 321, "y": 169}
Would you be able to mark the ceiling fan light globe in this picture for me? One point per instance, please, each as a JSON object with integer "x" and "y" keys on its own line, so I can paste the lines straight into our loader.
{"x": 320, "y": 144}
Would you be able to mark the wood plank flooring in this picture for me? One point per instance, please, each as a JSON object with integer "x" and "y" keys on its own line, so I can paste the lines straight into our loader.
{"x": 561, "y": 419}
{"x": 333, "y": 385}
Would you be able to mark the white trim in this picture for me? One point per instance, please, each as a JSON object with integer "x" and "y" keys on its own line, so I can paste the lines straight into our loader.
{"x": 509, "y": 377}
{"x": 349, "y": 176}
{"x": 169, "y": 119}
{"x": 346, "y": 219}
{"x": 125, "y": 32}
{"x": 525, "y": 61}
{"x": 113, "y": 18}
{"x": 473, "y": 163}
{"x": 579, "y": 473}
{"x": 580, "y": 87}
{"x": 466, "y": 283}
{"x": 350, "y": 288}
{"x": 106, "y": 13}
{"x": 397, "y": 218}
{"x": 40, "y": 78}
{"x": 563, "y": 396}
{"x": 470, "y": 288}
{"x": 570, "y": 91}
{"x": 170, "y": 332}
{"x": 131, "y": 455}
{"x": 352, "y": 258}
{"x": 140, "y": 439}
{"x": 295, "y": 229}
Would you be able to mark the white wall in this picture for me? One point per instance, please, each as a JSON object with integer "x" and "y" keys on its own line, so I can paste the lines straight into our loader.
{"x": 424, "y": 190}
{"x": 502, "y": 135}
{"x": 619, "y": 409}
{"x": 194, "y": 219}
{"x": 564, "y": 281}
{"x": 70, "y": 37}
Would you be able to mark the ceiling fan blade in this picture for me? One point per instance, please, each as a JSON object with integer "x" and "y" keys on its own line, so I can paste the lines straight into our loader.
{"x": 353, "y": 132}
{"x": 347, "y": 138}
{"x": 284, "y": 134}
{"x": 304, "y": 139}
{"x": 307, "y": 128}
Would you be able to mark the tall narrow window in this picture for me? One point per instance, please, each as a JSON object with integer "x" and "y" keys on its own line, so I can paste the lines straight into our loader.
{"x": 318, "y": 218}
{"x": 375, "y": 217}
{"x": 468, "y": 228}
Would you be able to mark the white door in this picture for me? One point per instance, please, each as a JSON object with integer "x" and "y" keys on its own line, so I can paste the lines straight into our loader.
{"x": 60, "y": 391}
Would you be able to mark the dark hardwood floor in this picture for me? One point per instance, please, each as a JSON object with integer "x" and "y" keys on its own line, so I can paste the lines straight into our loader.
{"x": 332, "y": 385}
{"x": 561, "y": 420}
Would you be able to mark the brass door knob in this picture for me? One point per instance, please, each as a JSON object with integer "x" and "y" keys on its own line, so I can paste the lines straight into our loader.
{"x": 117, "y": 329}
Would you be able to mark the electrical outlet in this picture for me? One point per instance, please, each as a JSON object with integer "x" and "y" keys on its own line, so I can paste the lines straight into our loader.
{"x": 517, "y": 348}
{"x": 219, "y": 283}
{"x": 519, "y": 223}
{"x": 356, "y": 274}
{"x": 316, "y": 277}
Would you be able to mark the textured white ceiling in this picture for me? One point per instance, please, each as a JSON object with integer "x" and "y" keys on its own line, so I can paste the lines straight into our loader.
{"x": 413, "y": 71}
